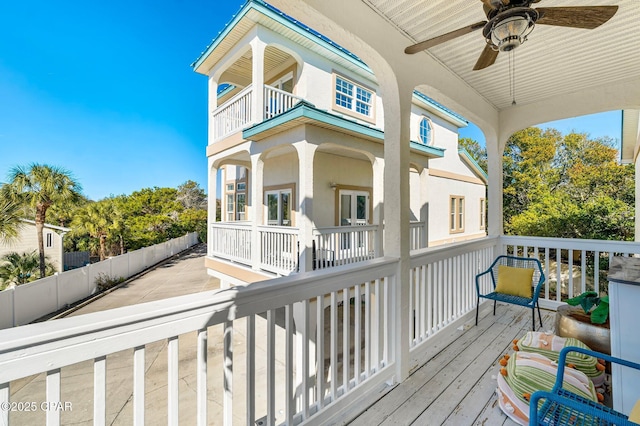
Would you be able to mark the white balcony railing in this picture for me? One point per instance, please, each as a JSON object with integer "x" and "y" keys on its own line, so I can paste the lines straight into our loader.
{"x": 279, "y": 249}
{"x": 231, "y": 241}
{"x": 417, "y": 235}
{"x": 342, "y": 314}
{"x": 571, "y": 266}
{"x": 277, "y": 101}
{"x": 237, "y": 113}
{"x": 341, "y": 245}
{"x": 234, "y": 114}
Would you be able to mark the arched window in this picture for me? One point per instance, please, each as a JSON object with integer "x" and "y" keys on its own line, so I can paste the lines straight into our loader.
{"x": 425, "y": 131}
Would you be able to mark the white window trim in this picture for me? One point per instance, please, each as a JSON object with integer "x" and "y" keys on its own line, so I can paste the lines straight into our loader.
{"x": 457, "y": 228}
{"x": 352, "y": 111}
{"x": 279, "y": 208}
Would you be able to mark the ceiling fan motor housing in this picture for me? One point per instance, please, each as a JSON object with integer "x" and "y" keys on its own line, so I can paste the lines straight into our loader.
{"x": 510, "y": 28}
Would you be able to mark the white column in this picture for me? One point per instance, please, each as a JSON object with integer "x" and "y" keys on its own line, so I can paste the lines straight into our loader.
{"x": 637, "y": 181}
{"x": 397, "y": 108}
{"x": 257, "y": 77}
{"x": 211, "y": 202}
{"x": 378, "y": 204}
{"x": 494, "y": 198}
{"x": 424, "y": 206}
{"x": 304, "y": 201}
{"x": 213, "y": 104}
{"x": 257, "y": 217}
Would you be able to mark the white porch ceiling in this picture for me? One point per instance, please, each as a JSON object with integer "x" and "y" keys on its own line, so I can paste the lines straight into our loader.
{"x": 554, "y": 59}
{"x": 560, "y": 72}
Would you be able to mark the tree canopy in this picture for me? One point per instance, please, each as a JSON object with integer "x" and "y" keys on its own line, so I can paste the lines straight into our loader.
{"x": 568, "y": 186}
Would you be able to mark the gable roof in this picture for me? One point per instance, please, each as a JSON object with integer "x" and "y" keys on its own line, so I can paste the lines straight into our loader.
{"x": 47, "y": 225}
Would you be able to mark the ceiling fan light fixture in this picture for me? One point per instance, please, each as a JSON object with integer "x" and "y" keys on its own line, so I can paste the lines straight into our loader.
{"x": 511, "y": 32}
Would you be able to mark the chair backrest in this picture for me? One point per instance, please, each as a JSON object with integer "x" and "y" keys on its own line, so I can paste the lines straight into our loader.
{"x": 519, "y": 262}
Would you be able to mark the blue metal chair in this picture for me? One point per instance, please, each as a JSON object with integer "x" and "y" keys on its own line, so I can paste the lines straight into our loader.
{"x": 515, "y": 262}
{"x": 561, "y": 407}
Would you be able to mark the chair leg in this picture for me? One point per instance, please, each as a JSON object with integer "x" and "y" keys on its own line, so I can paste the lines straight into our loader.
{"x": 539, "y": 314}
{"x": 494, "y": 306}
{"x": 477, "y": 309}
{"x": 533, "y": 317}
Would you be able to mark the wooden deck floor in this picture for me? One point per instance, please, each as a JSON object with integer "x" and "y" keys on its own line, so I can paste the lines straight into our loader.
{"x": 457, "y": 385}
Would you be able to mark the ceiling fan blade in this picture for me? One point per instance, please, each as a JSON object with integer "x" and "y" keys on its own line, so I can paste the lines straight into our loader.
{"x": 423, "y": 45}
{"x": 588, "y": 17}
{"x": 487, "y": 58}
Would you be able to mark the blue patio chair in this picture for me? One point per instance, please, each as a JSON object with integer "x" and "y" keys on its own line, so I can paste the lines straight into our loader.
{"x": 526, "y": 298}
{"x": 561, "y": 407}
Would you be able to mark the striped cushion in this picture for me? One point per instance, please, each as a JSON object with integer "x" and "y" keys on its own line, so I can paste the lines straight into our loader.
{"x": 550, "y": 345}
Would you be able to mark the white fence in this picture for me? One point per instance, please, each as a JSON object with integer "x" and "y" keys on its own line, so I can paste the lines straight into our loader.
{"x": 28, "y": 302}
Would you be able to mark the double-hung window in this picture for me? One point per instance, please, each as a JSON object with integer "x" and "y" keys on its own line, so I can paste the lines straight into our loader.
{"x": 278, "y": 207}
{"x": 456, "y": 214}
{"x": 353, "y": 98}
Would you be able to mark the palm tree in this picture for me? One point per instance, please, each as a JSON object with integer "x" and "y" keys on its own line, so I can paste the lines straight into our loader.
{"x": 41, "y": 186}
{"x": 9, "y": 219}
{"x": 18, "y": 268}
{"x": 99, "y": 220}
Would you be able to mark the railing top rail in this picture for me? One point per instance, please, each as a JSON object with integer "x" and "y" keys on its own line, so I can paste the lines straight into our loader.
{"x": 428, "y": 255}
{"x": 572, "y": 243}
{"x": 279, "y": 229}
{"x": 233, "y": 99}
{"x": 413, "y": 223}
{"x": 335, "y": 229}
{"x": 49, "y": 345}
{"x": 231, "y": 225}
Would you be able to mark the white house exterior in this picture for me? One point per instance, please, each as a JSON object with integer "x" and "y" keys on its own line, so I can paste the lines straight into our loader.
{"x": 296, "y": 128}
{"x": 27, "y": 241}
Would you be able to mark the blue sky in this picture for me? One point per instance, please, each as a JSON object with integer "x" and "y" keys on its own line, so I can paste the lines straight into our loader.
{"x": 105, "y": 90}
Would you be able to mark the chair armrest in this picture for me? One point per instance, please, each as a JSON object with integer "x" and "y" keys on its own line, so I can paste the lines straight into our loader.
{"x": 572, "y": 404}
{"x": 563, "y": 359}
{"x": 478, "y": 279}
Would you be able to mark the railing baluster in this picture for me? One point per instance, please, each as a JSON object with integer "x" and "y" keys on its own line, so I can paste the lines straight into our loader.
{"x": 570, "y": 272}
{"x": 320, "y": 377}
{"x": 583, "y": 271}
{"x": 558, "y": 274}
{"x": 596, "y": 271}
{"x": 305, "y": 359}
{"x": 99, "y": 390}
{"x": 4, "y": 401}
{"x": 201, "y": 380}
{"x": 271, "y": 367}
{"x": 53, "y": 396}
{"x": 172, "y": 381}
{"x": 334, "y": 346}
{"x": 357, "y": 338}
{"x": 138, "y": 385}
{"x": 367, "y": 329}
{"x": 290, "y": 402}
{"x": 346, "y": 341}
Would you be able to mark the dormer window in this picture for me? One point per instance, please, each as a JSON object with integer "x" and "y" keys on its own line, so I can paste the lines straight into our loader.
{"x": 425, "y": 131}
{"x": 353, "y": 99}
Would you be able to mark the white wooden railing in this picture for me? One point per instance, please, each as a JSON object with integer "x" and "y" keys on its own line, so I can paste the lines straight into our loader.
{"x": 571, "y": 265}
{"x": 234, "y": 114}
{"x": 276, "y": 381}
{"x": 279, "y": 249}
{"x": 277, "y": 101}
{"x": 442, "y": 285}
{"x": 231, "y": 241}
{"x": 341, "y": 245}
{"x": 417, "y": 235}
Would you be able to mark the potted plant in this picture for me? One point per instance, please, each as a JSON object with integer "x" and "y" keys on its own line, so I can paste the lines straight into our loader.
{"x": 585, "y": 317}
{"x": 593, "y": 305}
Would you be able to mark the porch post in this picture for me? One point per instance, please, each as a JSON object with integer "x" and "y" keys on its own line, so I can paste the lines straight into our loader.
{"x": 304, "y": 221}
{"x": 378, "y": 205}
{"x": 257, "y": 77}
{"x": 257, "y": 172}
{"x": 494, "y": 198}
{"x": 397, "y": 108}
{"x": 211, "y": 202}
{"x": 212, "y": 105}
{"x": 424, "y": 208}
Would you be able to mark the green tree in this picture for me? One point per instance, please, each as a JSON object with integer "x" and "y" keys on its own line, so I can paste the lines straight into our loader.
{"x": 10, "y": 215}
{"x": 98, "y": 220}
{"x": 41, "y": 186}
{"x": 191, "y": 196}
{"x": 477, "y": 152}
{"x": 20, "y": 268}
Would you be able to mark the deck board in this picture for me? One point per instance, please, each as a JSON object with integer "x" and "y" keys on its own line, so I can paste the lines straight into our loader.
{"x": 457, "y": 385}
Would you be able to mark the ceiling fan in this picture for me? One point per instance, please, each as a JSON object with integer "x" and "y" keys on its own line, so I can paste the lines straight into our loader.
{"x": 511, "y": 21}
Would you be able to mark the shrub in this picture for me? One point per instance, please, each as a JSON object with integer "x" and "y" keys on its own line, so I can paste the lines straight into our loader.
{"x": 105, "y": 282}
